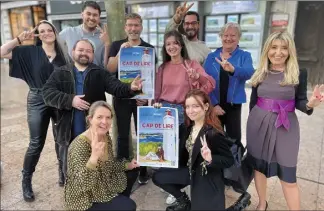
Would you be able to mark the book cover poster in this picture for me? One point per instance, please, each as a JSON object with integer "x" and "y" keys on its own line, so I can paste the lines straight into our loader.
{"x": 157, "y": 137}
{"x": 136, "y": 61}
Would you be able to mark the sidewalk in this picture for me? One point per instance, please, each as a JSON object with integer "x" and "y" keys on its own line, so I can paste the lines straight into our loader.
{"x": 15, "y": 139}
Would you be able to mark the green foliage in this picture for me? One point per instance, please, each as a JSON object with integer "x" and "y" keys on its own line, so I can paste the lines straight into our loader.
{"x": 127, "y": 80}
{"x": 146, "y": 147}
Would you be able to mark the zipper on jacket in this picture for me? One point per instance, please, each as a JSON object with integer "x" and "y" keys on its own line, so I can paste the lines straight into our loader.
{"x": 74, "y": 92}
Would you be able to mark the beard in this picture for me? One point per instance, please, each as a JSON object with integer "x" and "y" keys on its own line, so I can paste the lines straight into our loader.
{"x": 82, "y": 60}
{"x": 191, "y": 33}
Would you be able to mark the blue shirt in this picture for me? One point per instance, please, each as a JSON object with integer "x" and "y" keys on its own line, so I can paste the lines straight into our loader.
{"x": 79, "y": 123}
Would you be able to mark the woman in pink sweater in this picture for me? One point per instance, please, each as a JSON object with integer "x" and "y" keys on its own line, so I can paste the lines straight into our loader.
{"x": 177, "y": 75}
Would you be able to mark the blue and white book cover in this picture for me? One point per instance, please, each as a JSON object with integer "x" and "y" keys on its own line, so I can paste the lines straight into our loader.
{"x": 138, "y": 61}
{"x": 157, "y": 137}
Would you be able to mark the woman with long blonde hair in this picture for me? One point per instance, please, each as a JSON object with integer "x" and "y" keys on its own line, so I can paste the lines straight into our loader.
{"x": 279, "y": 87}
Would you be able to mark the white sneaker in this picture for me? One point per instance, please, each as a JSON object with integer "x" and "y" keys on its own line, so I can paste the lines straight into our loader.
{"x": 170, "y": 200}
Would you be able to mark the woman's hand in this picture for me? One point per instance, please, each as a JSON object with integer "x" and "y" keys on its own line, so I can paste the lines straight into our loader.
{"x": 205, "y": 151}
{"x": 28, "y": 35}
{"x": 133, "y": 164}
{"x": 192, "y": 73}
{"x": 317, "y": 96}
{"x": 218, "y": 110}
{"x": 97, "y": 147}
{"x": 157, "y": 105}
{"x": 227, "y": 66}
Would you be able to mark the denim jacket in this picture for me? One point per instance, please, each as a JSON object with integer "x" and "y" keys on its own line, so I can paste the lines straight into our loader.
{"x": 243, "y": 70}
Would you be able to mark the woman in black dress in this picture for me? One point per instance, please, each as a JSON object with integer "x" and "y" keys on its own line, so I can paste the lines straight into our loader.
{"x": 203, "y": 154}
{"x": 34, "y": 64}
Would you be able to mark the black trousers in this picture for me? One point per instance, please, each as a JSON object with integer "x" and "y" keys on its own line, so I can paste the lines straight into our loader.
{"x": 231, "y": 120}
{"x": 172, "y": 180}
{"x": 38, "y": 118}
{"x": 124, "y": 109}
{"x": 122, "y": 201}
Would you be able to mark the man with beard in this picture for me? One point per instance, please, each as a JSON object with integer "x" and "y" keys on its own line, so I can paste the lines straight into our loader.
{"x": 72, "y": 88}
{"x": 125, "y": 108}
{"x": 90, "y": 30}
{"x": 197, "y": 49}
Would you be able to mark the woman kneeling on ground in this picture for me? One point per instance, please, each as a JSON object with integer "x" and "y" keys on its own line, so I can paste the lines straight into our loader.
{"x": 95, "y": 180}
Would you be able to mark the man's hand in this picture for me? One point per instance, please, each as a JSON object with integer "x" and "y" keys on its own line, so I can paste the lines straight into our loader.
{"x": 124, "y": 45}
{"x": 137, "y": 85}
{"x": 104, "y": 35}
{"x": 180, "y": 12}
{"x": 140, "y": 102}
{"x": 80, "y": 104}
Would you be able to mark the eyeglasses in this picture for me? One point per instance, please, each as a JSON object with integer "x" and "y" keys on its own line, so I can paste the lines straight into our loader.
{"x": 194, "y": 23}
{"x": 131, "y": 25}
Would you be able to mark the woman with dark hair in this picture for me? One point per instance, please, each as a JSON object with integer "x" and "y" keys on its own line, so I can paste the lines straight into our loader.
{"x": 178, "y": 74}
{"x": 203, "y": 154}
{"x": 34, "y": 64}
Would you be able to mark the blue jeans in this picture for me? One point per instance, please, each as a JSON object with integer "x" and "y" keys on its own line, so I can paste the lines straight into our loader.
{"x": 179, "y": 107}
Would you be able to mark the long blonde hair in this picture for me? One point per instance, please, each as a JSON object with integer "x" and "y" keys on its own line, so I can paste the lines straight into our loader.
{"x": 291, "y": 74}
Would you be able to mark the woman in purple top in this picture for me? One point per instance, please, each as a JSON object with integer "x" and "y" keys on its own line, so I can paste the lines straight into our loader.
{"x": 272, "y": 128}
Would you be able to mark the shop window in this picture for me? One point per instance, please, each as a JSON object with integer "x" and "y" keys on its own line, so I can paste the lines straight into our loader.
{"x": 38, "y": 13}
{"x": 69, "y": 23}
{"x": 21, "y": 19}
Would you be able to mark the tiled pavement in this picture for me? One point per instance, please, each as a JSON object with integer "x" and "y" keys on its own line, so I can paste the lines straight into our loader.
{"x": 14, "y": 141}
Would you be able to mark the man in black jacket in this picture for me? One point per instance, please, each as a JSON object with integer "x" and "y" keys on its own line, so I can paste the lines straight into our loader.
{"x": 74, "y": 87}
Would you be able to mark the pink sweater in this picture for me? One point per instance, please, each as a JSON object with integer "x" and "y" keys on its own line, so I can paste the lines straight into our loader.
{"x": 172, "y": 83}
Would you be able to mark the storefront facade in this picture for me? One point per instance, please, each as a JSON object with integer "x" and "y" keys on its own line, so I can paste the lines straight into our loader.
{"x": 68, "y": 13}
{"x": 18, "y": 16}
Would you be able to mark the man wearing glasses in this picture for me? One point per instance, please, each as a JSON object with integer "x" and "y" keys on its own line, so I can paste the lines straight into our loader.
{"x": 196, "y": 48}
{"x": 125, "y": 108}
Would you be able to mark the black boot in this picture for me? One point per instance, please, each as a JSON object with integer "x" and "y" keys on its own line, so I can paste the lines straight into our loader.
{"x": 181, "y": 204}
{"x": 27, "y": 187}
{"x": 61, "y": 175}
{"x": 242, "y": 203}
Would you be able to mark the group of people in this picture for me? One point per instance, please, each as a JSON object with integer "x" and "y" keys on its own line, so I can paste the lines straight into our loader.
{"x": 69, "y": 72}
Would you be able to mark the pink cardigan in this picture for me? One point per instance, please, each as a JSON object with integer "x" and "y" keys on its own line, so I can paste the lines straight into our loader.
{"x": 172, "y": 82}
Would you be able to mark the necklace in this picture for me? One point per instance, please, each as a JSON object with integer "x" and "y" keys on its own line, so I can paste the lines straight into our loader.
{"x": 275, "y": 72}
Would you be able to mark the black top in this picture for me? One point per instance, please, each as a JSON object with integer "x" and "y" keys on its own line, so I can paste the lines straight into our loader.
{"x": 115, "y": 46}
{"x": 223, "y": 86}
{"x": 30, "y": 63}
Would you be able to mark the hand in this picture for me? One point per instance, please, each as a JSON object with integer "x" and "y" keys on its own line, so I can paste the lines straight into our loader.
{"x": 80, "y": 104}
{"x": 133, "y": 164}
{"x": 228, "y": 67}
{"x": 157, "y": 105}
{"x": 104, "y": 35}
{"x": 28, "y": 35}
{"x": 181, "y": 11}
{"x": 218, "y": 110}
{"x": 136, "y": 85}
{"x": 205, "y": 151}
{"x": 124, "y": 45}
{"x": 141, "y": 102}
{"x": 317, "y": 96}
{"x": 192, "y": 73}
{"x": 97, "y": 146}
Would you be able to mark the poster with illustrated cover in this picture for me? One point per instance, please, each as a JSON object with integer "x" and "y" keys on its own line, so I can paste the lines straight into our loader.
{"x": 157, "y": 136}
{"x": 138, "y": 61}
